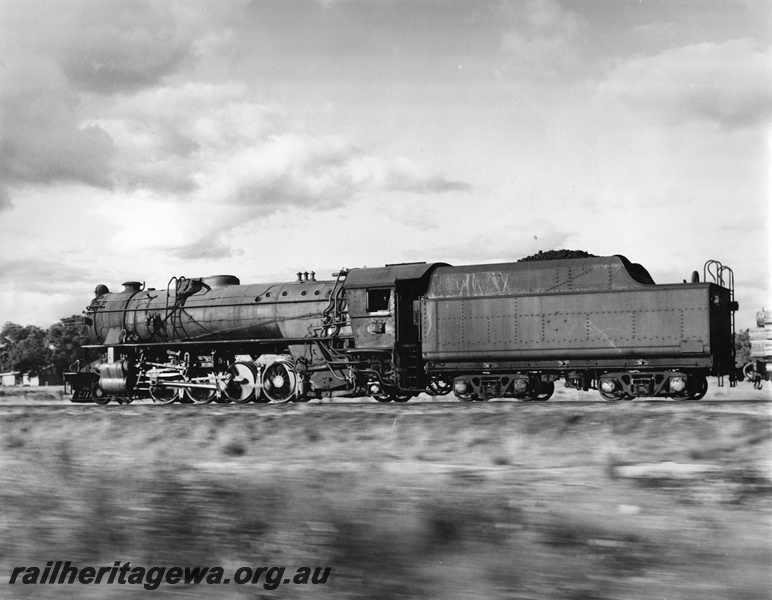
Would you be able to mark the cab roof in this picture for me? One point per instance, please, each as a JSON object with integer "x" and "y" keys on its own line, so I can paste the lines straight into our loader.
{"x": 388, "y": 275}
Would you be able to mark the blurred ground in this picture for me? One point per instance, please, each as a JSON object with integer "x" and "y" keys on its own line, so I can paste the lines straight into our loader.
{"x": 516, "y": 500}
{"x": 40, "y": 395}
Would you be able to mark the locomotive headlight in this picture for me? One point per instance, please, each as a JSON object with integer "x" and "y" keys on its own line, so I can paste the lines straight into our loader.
{"x": 460, "y": 386}
{"x": 677, "y": 384}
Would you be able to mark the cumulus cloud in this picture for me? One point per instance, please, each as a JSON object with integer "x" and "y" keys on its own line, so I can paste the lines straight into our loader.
{"x": 57, "y": 56}
{"x": 43, "y": 139}
{"x": 46, "y": 138}
{"x": 107, "y": 47}
{"x": 210, "y": 144}
{"x": 124, "y": 47}
{"x": 544, "y": 37}
{"x": 43, "y": 276}
{"x": 105, "y": 94}
{"x": 404, "y": 174}
{"x": 728, "y": 83}
{"x": 102, "y": 95}
{"x": 299, "y": 170}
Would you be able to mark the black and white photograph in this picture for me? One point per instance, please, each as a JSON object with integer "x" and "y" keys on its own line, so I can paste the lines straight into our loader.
{"x": 433, "y": 299}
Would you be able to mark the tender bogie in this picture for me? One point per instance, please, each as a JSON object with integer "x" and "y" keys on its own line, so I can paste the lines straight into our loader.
{"x": 484, "y": 386}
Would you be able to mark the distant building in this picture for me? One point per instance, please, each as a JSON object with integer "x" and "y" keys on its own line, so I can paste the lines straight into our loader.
{"x": 761, "y": 343}
{"x": 17, "y": 378}
{"x": 10, "y": 378}
{"x": 761, "y": 338}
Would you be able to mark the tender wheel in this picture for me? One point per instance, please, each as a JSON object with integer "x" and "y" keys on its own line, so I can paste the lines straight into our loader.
{"x": 546, "y": 389}
{"x": 612, "y": 395}
{"x": 382, "y": 397}
{"x": 698, "y": 387}
{"x": 532, "y": 391}
{"x": 610, "y": 390}
{"x": 439, "y": 387}
{"x": 280, "y": 382}
{"x": 401, "y": 397}
{"x": 463, "y": 390}
{"x": 241, "y": 386}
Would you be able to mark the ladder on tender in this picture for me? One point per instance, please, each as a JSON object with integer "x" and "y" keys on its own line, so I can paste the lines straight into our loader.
{"x": 724, "y": 276}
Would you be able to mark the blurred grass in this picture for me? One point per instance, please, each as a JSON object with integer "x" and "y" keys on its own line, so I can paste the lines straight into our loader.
{"x": 742, "y": 391}
{"x": 500, "y": 502}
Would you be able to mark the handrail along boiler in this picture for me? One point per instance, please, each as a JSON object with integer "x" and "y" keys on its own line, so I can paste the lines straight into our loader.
{"x": 506, "y": 330}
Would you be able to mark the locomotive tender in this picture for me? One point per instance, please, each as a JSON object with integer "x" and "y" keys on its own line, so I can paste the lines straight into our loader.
{"x": 507, "y": 330}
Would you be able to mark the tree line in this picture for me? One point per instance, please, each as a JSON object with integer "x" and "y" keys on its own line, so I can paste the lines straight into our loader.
{"x": 35, "y": 351}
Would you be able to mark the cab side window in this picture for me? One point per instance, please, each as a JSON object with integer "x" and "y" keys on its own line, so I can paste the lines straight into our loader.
{"x": 378, "y": 300}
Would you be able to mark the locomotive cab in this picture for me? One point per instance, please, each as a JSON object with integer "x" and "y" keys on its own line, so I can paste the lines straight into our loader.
{"x": 381, "y": 304}
{"x": 385, "y": 323}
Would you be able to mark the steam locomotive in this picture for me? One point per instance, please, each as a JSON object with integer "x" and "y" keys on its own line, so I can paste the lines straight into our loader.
{"x": 509, "y": 330}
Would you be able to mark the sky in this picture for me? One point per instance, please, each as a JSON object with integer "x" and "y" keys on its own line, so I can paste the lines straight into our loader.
{"x": 143, "y": 140}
